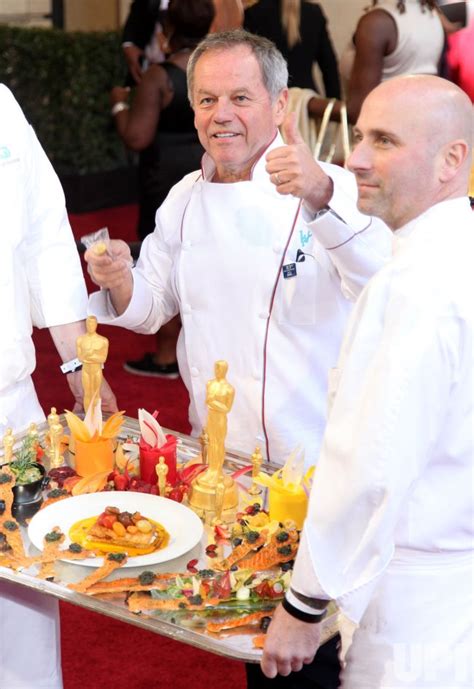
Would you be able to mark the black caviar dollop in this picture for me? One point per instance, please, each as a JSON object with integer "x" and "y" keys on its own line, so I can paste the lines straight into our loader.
{"x": 284, "y": 550}
{"x": 57, "y": 493}
{"x": 252, "y": 536}
{"x": 282, "y": 536}
{"x": 146, "y": 577}
{"x": 53, "y": 536}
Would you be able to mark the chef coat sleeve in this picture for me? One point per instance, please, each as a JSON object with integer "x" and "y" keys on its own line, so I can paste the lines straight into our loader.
{"x": 154, "y": 300}
{"x": 400, "y": 365}
{"x": 358, "y": 245}
{"x": 52, "y": 265}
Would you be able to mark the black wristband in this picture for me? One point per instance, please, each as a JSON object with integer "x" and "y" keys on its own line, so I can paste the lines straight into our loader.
{"x": 300, "y": 615}
{"x": 318, "y": 604}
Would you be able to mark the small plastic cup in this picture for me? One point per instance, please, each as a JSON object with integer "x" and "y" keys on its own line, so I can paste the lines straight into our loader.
{"x": 288, "y": 504}
{"x": 94, "y": 456}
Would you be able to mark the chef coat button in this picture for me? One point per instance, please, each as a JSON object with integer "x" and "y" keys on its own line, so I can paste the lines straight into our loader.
{"x": 277, "y": 248}
{"x": 187, "y": 245}
{"x": 263, "y": 315}
{"x": 194, "y": 371}
{"x": 187, "y": 309}
{"x": 257, "y": 375}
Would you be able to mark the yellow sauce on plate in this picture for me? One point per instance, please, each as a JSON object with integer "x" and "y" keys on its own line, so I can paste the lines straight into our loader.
{"x": 79, "y": 530}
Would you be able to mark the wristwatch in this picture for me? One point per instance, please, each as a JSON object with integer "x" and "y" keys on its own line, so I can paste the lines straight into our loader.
{"x": 322, "y": 211}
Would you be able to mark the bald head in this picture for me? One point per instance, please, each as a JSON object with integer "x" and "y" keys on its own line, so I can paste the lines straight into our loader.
{"x": 414, "y": 145}
{"x": 439, "y": 110}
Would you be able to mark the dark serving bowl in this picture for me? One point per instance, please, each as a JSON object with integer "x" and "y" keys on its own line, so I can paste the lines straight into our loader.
{"x": 30, "y": 492}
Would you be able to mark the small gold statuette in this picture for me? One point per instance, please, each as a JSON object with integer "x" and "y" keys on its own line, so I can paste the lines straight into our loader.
{"x": 204, "y": 442}
{"x": 8, "y": 442}
{"x": 161, "y": 471}
{"x": 92, "y": 350}
{"x": 207, "y": 496}
{"x": 55, "y": 435}
{"x": 219, "y": 501}
{"x": 257, "y": 460}
{"x": 33, "y": 431}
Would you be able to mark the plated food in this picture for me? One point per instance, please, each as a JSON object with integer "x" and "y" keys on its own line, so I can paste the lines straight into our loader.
{"x": 175, "y": 528}
{"x": 115, "y": 531}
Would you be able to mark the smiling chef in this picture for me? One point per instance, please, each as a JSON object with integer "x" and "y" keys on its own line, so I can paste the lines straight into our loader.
{"x": 261, "y": 252}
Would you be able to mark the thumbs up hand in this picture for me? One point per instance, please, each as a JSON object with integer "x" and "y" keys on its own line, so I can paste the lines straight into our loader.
{"x": 293, "y": 169}
{"x": 290, "y": 131}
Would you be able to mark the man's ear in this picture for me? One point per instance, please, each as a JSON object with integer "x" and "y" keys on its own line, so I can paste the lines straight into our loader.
{"x": 453, "y": 156}
{"x": 280, "y": 106}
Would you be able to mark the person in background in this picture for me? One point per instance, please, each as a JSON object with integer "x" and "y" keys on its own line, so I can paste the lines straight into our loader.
{"x": 140, "y": 43}
{"x": 42, "y": 285}
{"x": 299, "y": 30}
{"x": 227, "y": 254}
{"x": 141, "y": 35}
{"x": 399, "y": 440}
{"x": 160, "y": 168}
{"x": 160, "y": 125}
{"x": 460, "y": 53}
{"x": 392, "y": 38}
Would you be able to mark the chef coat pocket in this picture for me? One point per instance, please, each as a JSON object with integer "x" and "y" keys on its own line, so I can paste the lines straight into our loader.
{"x": 296, "y": 297}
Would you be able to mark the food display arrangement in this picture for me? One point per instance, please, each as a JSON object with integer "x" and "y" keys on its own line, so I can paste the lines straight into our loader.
{"x": 153, "y": 527}
{"x": 212, "y": 585}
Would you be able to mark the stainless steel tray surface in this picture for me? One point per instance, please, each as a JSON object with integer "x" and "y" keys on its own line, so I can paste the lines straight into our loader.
{"x": 236, "y": 644}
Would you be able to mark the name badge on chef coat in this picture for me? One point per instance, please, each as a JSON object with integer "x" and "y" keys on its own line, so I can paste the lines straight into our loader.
{"x": 289, "y": 271}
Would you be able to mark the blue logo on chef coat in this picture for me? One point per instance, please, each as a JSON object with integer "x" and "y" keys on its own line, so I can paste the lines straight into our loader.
{"x": 4, "y": 152}
{"x": 305, "y": 237}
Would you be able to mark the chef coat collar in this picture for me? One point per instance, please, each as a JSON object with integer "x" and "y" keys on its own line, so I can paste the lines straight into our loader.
{"x": 258, "y": 172}
{"x": 443, "y": 209}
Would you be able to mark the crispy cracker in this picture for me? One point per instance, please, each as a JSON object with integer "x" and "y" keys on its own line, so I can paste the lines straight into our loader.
{"x": 108, "y": 566}
{"x": 233, "y": 622}
{"x": 139, "y": 602}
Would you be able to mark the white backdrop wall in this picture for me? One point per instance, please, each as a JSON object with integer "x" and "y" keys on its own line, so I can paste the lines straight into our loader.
{"x": 342, "y": 18}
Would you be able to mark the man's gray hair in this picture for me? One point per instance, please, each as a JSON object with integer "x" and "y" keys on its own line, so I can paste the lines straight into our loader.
{"x": 272, "y": 63}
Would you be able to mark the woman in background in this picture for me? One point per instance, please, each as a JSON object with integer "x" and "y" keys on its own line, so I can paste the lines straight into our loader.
{"x": 393, "y": 37}
{"x": 160, "y": 124}
{"x": 299, "y": 30}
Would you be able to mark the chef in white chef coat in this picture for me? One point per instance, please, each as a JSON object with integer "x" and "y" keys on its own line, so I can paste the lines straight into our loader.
{"x": 41, "y": 284}
{"x": 389, "y": 532}
{"x": 262, "y": 252}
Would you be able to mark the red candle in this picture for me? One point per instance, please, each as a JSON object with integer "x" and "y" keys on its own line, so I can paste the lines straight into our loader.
{"x": 149, "y": 457}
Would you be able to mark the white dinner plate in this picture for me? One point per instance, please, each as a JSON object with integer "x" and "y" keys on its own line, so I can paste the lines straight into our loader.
{"x": 183, "y": 525}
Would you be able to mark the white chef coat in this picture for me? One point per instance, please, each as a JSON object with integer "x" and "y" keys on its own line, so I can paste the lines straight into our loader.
{"x": 389, "y": 532}
{"x": 217, "y": 257}
{"x": 41, "y": 283}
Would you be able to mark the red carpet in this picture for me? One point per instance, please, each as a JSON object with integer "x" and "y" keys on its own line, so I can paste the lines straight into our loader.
{"x": 102, "y": 653}
{"x": 99, "y": 652}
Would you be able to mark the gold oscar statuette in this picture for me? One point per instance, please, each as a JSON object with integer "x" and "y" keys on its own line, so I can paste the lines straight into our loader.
{"x": 207, "y": 496}
{"x": 55, "y": 434}
{"x": 204, "y": 443}
{"x": 161, "y": 471}
{"x": 257, "y": 460}
{"x": 8, "y": 442}
{"x": 92, "y": 350}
